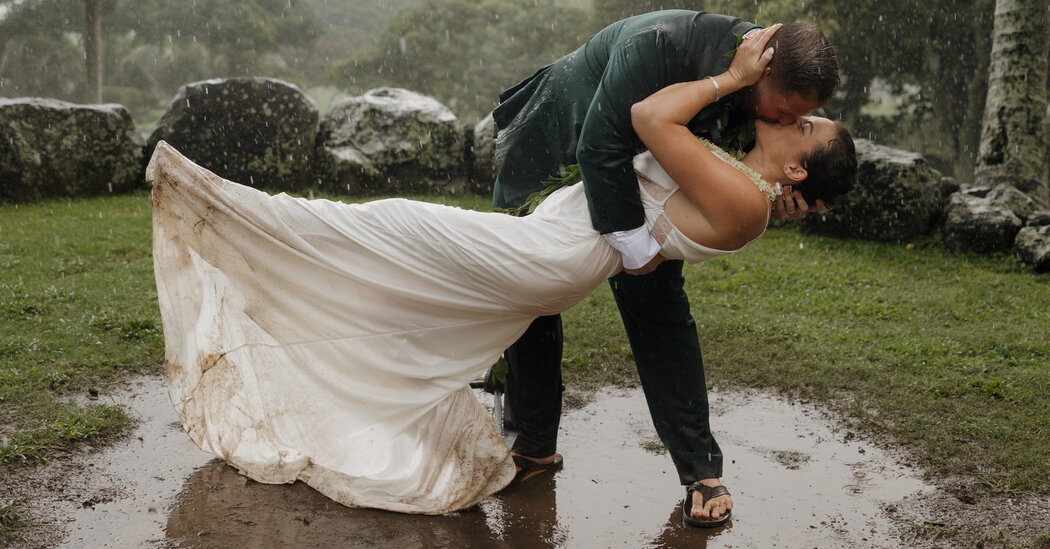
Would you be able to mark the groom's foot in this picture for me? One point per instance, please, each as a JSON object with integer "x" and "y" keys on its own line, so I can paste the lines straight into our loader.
{"x": 714, "y": 509}
{"x": 539, "y": 461}
{"x": 528, "y": 467}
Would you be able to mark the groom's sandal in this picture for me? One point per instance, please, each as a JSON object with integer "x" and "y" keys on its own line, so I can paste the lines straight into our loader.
{"x": 708, "y": 493}
{"x": 531, "y": 468}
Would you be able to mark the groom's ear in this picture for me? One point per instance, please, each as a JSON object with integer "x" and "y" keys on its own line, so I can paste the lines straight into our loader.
{"x": 795, "y": 172}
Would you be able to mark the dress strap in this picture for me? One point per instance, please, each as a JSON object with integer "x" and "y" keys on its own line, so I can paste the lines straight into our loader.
{"x": 661, "y": 226}
{"x": 658, "y": 193}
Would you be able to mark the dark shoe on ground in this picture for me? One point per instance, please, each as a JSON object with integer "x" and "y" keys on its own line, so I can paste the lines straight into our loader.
{"x": 708, "y": 493}
{"x": 531, "y": 468}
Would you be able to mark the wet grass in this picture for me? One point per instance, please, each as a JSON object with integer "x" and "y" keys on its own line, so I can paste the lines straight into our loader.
{"x": 945, "y": 353}
{"x": 77, "y": 316}
{"x": 62, "y": 429}
{"x": 13, "y": 517}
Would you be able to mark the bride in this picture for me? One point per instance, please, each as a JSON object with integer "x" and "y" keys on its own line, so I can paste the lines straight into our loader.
{"x": 334, "y": 343}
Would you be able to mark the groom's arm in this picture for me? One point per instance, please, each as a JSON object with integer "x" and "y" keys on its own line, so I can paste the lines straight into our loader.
{"x": 637, "y": 67}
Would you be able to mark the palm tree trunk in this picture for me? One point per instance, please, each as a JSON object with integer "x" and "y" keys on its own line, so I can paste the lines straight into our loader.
{"x": 93, "y": 49}
{"x": 1014, "y": 138}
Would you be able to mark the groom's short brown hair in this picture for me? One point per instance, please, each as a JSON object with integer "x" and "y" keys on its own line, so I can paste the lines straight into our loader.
{"x": 804, "y": 62}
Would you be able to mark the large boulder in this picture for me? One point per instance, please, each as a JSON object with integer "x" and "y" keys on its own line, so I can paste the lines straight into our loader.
{"x": 255, "y": 131}
{"x": 52, "y": 148}
{"x": 977, "y": 223}
{"x": 987, "y": 219}
{"x": 1038, "y": 219}
{"x": 898, "y": 197}
{"x": 391, "y": 140}
{"x": 1033, "y": 245}
{"x": 1020, "y": 203}
{"x": 483, "y": 147}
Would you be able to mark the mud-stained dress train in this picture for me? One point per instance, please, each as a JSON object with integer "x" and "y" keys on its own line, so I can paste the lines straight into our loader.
{"x": 333, "y": 343}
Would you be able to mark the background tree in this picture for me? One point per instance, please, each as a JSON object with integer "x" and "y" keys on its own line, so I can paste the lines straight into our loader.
{"x": 463, "y": 52}
{"x": 348, "y": 27}
{"x": 40, "y": 54}
{"x": 93, "y": 49}
{"x": 914, "y": 74}
{"x": 152, "y": 46}
{"x": 1014, "y": 140}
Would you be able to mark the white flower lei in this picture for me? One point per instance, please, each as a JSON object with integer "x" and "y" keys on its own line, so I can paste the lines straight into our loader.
{"x": 733, "y": 159}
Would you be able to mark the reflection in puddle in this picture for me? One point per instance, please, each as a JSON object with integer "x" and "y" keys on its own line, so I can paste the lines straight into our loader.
{"x": 220, "y": 508}
{"x": 795, "y": 483}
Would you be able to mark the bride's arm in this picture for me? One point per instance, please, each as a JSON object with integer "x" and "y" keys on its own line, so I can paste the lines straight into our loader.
{"x": 734, "y": 211}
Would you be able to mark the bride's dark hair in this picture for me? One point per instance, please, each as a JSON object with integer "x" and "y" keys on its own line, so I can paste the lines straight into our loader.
{"x": 831, "y": 169}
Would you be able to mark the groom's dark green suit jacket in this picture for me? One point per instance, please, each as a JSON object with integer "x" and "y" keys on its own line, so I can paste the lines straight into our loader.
{"x": 578, "y": 109}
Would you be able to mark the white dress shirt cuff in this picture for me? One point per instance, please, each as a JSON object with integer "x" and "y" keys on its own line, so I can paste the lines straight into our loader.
{"x": 636, "y": 246}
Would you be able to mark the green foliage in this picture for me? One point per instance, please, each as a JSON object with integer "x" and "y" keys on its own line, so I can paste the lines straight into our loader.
{"x": 238, "y": 32}
{"x": 13, "y": 516}
{"x": 569, "y": 176}
{"x": 150, "y": 47}
{"x": 352, "y": 26}
{"x": 463, "y": 52}
{"x": 37, "y": 57}
{"x": 931, "y": 56}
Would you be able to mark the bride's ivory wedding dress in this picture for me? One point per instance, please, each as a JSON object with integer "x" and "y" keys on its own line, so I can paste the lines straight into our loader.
{"x": 333, "y": 343}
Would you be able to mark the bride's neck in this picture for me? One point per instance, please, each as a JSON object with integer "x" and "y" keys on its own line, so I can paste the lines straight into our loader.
{"x": 753, "y": 161}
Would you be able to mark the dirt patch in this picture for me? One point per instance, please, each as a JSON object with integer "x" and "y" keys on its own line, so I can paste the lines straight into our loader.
{"x": 797, "y": 482}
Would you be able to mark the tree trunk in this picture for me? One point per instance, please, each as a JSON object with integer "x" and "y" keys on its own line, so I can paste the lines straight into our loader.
{"x": 1014, "y": 135}
{"x": 93, "y": 49}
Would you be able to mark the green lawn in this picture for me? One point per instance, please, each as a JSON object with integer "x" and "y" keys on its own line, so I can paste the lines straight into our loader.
{"x": 945, "y": 353}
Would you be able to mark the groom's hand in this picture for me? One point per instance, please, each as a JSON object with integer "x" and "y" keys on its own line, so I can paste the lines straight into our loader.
{"x": 648, "y": 267}
{"x": 790, "y": 205}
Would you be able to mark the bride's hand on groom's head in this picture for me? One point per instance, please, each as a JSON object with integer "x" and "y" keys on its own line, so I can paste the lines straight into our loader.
{"x": 753, "y": 55}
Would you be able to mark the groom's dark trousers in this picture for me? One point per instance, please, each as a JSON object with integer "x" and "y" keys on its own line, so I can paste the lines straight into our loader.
{"x": 577, "y": 110}
{"x": 660, "y": 328}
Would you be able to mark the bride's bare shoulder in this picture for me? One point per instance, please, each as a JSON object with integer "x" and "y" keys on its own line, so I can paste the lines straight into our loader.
{"x": 730, "y": 229}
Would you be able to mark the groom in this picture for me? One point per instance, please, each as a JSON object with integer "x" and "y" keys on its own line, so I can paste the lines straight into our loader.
{"x": 577, "y": 110}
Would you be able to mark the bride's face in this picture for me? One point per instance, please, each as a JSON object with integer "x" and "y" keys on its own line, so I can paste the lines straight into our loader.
{"x": 785, "y": 144}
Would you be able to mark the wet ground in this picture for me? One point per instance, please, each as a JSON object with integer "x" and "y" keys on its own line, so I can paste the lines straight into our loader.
{"x": 796, "y": 480}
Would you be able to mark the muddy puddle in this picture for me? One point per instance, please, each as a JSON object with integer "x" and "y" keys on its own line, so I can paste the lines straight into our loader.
{"x": 796, "y": 481}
